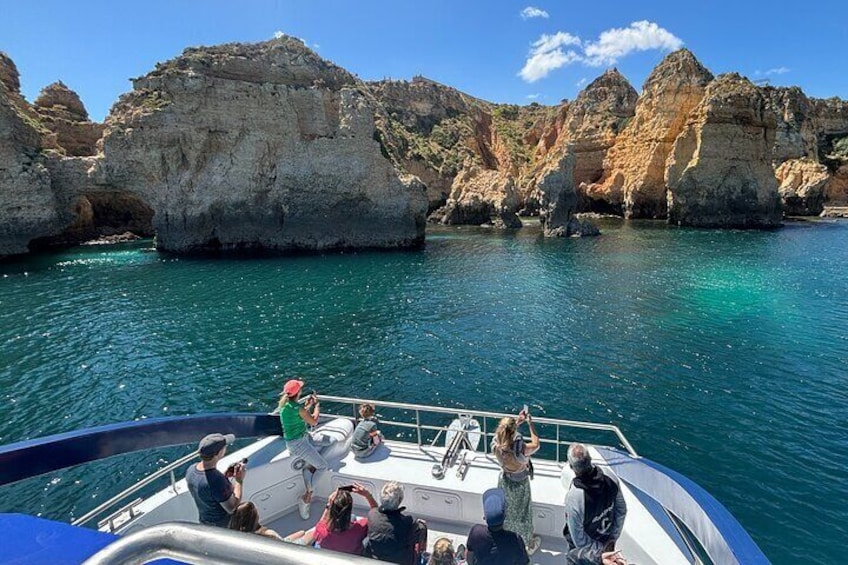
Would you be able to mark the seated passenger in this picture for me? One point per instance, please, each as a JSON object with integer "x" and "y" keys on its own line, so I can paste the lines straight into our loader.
{"x": 366, "y": 437}
{"x": 392, "y": 535}
{"x": 492, "y": 544}
{"x": 335, "y": 530}
{"x": 443, "y": 553}
{"x": 246, "y": 519}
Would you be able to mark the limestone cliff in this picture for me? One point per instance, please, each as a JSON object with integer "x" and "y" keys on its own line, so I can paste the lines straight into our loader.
{"x": 481, "y": 197}
{"x": 796, "y": 135}
{"x": 29, "y": 206}
{"x": 831, "y": 118}
{"x": 452, "y": 141}
{"x": 259, "y": 146}
{"x": 431, "y": 130}
{"x": 270, "y": 146}
{"x": 719, "y": 173}
{"x": 558, "y": 199}
{"x": 634, "y": 170}
{"x": 836, "y": 159}
{"x": 61, "y": 111}
{"x": 593, "y": 121}
{"x": 802, "y": 186}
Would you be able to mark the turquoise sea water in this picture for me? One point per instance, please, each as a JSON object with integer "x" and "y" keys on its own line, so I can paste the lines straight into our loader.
{"x": 721, "y": 354}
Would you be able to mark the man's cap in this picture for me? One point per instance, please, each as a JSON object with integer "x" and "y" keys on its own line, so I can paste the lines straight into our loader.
{"x": 292, "y": 387}
{"x": 494, "y": 506}
{"x": 213, "y": 443}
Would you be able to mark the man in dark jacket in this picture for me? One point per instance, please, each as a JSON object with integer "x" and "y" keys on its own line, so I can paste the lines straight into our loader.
{"x": 594, "y": 509}
{"x": 392, "y": 535}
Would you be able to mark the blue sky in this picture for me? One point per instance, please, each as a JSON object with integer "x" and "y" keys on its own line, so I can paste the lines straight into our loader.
{"x": 514, "y": 52}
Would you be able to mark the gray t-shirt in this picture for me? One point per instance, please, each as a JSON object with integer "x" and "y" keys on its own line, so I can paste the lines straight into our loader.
{"x": 209, "y": 489}
{"x": 362, "y": 434}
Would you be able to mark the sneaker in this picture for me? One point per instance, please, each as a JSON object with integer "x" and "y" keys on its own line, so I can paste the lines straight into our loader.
{"x": 535, "y": 544}
{"x": 303, "y": 508}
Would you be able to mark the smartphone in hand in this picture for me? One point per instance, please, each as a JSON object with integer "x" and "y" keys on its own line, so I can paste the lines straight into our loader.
{"x": 348, "y": 488}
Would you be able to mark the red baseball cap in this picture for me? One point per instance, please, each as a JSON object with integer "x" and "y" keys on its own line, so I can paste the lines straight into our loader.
{"x": 292, "y": 387}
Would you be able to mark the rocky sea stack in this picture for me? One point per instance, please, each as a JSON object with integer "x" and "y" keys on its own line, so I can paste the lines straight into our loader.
{"x": 719, "y": 173}
{"x": 61, "y": 111}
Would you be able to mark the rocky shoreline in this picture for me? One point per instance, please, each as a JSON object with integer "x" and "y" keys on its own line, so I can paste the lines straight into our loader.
{"x": 268, "y": 146}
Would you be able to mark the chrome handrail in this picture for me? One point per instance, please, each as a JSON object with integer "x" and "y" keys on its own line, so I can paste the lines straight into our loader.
{"x": 134, "y": 488}
{"x": 418, "y": 426}
{"x": 193, "y": 543}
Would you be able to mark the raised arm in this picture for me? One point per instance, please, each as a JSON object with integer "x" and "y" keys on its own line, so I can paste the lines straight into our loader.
{"x": 531, "y": 446}
{"x": 366, "y": 494}
{"x": 311, "y": 419}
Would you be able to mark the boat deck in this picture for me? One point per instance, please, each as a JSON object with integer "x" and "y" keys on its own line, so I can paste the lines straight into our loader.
{"x": 451, "y": 505}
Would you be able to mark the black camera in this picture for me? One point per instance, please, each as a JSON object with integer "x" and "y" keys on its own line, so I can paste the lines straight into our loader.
{"x": 231, "y": 470}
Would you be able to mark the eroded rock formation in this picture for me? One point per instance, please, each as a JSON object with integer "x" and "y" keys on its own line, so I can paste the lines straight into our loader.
{"x": 259, "y": 146}
{"x": 29, "y": 206}
{"x": 796, "y": 135}
{"x": 557, "y": 197}
{"x": 634, "y": 171}
{"x": 61, "y": 111}
{"x": 481, "y": 197}
{"x": 448, "y": 138}
{"x": 719, "y": 173}
{"x": 593, "y": 121}
{"x": 269, "y": 146}
{"x": 802, "y": 186}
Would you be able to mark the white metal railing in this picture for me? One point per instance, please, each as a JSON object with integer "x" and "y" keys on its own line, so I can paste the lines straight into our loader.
{"x": 135, "y": 488}
{"x": 193, "y": 543}
{"x": 418, "y": 409}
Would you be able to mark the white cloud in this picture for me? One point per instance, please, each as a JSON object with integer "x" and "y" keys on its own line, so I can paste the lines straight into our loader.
{"x": 613, "y": 44}
{"x": 316, "y": 46}
{"x": 533, "y": 12}
{"x": 777, "y": 71}
{"x": 278, "y": 34}
{"x": 533, "y": 96}
{"x": 547, "y": 55}
{"x": 581, "y": 82}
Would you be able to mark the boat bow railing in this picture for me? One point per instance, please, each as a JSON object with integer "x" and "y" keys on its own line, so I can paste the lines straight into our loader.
{"x": 149, "y": 479}
{"x": 193, "y": 543}
{"x": 417, "y": 410}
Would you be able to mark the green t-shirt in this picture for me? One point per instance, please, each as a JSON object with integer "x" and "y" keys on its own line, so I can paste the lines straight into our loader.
{"x": 293, "y": 425}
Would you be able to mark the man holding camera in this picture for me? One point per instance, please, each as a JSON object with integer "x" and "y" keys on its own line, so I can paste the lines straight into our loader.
{"x": 213, "y": 493}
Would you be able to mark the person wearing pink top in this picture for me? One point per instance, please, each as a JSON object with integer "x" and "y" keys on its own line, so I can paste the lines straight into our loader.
{"x": 335, "y": 530}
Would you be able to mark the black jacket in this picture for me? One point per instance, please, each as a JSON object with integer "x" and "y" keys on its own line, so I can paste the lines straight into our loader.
{"x": 391, "y": 535}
